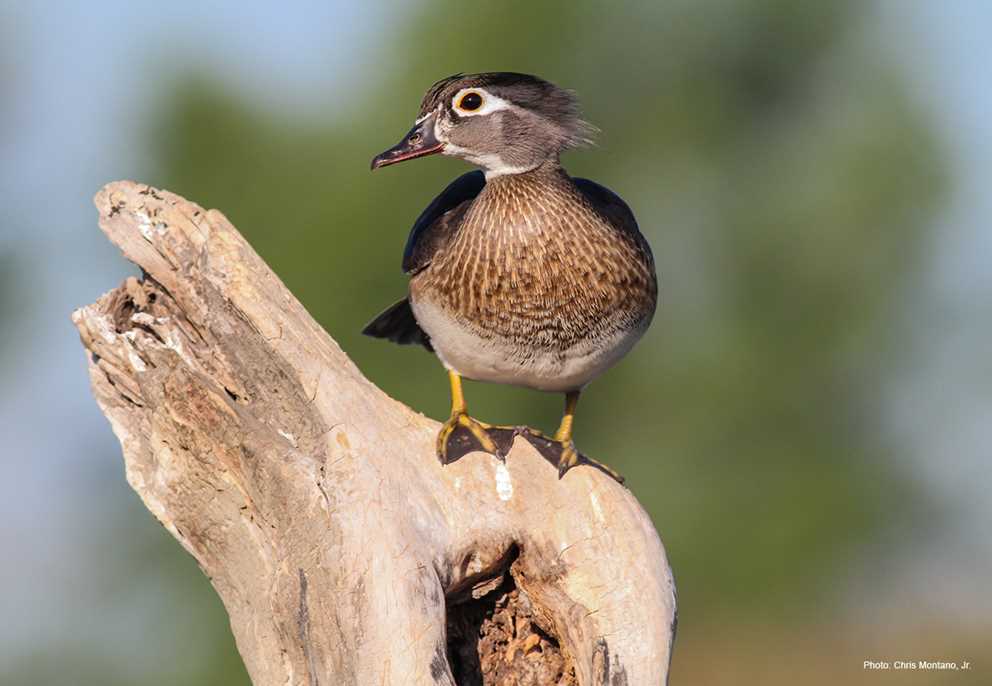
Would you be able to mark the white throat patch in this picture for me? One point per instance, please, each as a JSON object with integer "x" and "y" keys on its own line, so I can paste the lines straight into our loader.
{"x": 491, "y": 164}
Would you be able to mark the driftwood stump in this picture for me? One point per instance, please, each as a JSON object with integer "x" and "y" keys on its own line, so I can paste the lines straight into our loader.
{"x": 343, "y": 552}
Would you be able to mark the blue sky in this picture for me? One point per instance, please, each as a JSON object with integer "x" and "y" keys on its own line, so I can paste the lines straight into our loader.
{"x": 82, "y": 91}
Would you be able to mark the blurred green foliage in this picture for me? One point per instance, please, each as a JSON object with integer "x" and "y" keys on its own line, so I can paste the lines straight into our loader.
{"x": 784, "y": 180}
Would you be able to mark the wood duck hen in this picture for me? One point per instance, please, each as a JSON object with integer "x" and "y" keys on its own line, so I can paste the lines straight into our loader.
{"x": 519, "y": 273}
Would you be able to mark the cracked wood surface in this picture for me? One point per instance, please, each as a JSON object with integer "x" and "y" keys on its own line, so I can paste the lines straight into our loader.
{"x": 314, "y": 502}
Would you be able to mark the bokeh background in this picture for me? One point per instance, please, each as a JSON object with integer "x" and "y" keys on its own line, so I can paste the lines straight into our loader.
{"x": 808, "y": 422}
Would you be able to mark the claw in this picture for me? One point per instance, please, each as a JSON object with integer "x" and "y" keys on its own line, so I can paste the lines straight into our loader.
{"x": 569, "y": 458}
{"x": 462, "y": 434}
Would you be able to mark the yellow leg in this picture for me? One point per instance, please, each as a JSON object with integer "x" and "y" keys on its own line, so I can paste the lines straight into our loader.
{"x": 569, "y": 455}
{"x": 458, "y": 403}
{"x": 462, "y": 434}
{"x": 564, "y": 432}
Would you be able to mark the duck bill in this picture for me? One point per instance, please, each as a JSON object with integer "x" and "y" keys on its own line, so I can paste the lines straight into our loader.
{"x": 419, "y": 142}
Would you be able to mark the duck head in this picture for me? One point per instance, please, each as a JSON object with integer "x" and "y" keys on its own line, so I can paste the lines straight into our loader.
{"x": 502, "y": 122}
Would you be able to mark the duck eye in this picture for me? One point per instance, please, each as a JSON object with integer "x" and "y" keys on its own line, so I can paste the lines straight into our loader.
{"x": 470, "y": 102}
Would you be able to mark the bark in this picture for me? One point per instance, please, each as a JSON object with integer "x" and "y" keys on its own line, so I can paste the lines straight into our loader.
{"x": 343, "y": 551}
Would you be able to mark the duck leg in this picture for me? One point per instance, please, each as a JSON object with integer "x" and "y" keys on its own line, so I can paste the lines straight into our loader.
{"x": 560, "y": 450}
{"x": 462, "y": 434}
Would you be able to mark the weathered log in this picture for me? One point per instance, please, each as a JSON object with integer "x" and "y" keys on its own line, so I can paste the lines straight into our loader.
{"x": 342, "y": 550}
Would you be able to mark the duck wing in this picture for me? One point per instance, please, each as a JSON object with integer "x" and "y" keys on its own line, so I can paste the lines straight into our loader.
{"x": 431, "y": 232}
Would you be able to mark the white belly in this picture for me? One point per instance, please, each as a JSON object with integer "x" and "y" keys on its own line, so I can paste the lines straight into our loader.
{"x": 463, "y": 350}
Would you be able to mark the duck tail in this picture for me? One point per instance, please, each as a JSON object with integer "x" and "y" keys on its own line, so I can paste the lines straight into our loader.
{"x": 397, "y": 324}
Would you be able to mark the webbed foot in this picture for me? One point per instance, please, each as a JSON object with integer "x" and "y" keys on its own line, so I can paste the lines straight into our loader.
{"x": 462, "y": 434}
{"x": 563, "y": 455}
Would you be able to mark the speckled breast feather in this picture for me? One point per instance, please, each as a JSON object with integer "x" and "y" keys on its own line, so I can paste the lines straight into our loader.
{"x": 535, "y": 263}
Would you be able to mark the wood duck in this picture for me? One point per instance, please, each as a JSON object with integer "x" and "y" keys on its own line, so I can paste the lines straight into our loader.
{"x": 519, "y": 273}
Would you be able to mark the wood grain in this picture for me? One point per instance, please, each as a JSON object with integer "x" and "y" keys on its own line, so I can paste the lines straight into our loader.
{"x": 315, "y": 503}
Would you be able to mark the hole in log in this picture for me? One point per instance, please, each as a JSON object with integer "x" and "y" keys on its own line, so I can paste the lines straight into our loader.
{"x": 122, "y": 309}
{"x": 496, "y": 638}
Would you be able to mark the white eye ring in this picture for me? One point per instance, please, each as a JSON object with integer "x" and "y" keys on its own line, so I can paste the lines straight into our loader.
{"x": 462, "y": 97}
{"x": 490, "y": 102}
